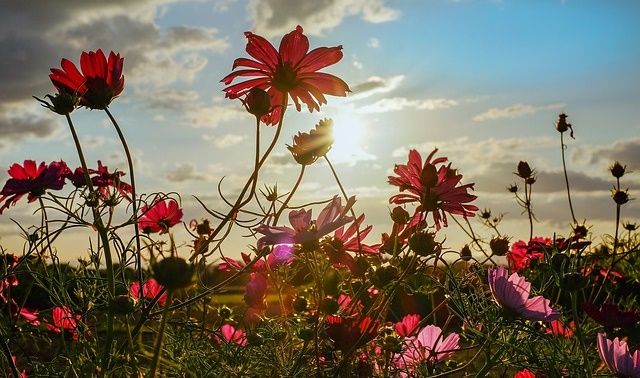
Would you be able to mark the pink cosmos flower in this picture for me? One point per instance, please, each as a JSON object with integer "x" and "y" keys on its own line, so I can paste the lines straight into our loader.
{"x": 32, "y": 180}
{"x": 281, "y": 255}
{"x": 255, "y": 291}
{"x": 408, "y": 325}
{"x": 231, "y": 334}
{"x": 512, "y": 293}
{"x": 289, "y": 71}
{"x": 303, "y": 230}
{"x": 429, "y": 346}
{"x": 343, "y": 241}
{"x": 434, "y": 188}
{"x": 64, "y": 321}
{"x": 160, "y": 216}
{"x": 150, "y": 290}
{"x": 611, "y": 316}
{"x": 615, "y": 354}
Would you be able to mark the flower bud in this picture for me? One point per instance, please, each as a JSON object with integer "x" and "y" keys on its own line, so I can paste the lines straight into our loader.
{"x": 499, "y": 246}
{"x": 562, "y": 124}
{"x": 620, "y": 197}
{"x": 399, "y": 215}
{"x": 617, "y": 170}
{"x": 465, "y": 253}
{"x": 384, "y": 275}
{"x": 258, "y": 102}
{"x": 423, "y": 243}
{"x": 513, "y": 188}
{"x": 630, "y": 226}
{"x": 122, "y": 305}
{"x": 173, "y": 273}
{"x": 61, "y": 103}
{"x": 225, "y": 312}
{"x": 300, "y": 304}
{"x": 580, "y": 231}
{"x": 524, "y": 170}
{"x": 485, "y": 214}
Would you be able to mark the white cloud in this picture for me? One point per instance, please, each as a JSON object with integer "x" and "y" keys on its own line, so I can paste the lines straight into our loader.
{"x": 211, "y": 117}
{"x": 226, "y": 140}
{"x": 514, "y": 111}
{"x": 186, "y": 172}
{"x": 400, "y": 103}
{"x": 375, "y": 85}
{"x": 277, "y": 17}
{"x": 373, "y": 43}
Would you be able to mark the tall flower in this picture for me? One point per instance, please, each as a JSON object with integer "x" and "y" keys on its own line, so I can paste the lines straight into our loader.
{"x": 289, "y": 71}
{"x": 336, "y": 247}
{"x": 513, "y": 292}
{"x": 429, "y": 346}
{"x": 99, "y": 83}
{"x": 32, "y": 180}
{"x": 615, "y": 354}
{"x": 231, "y": 334}
{"x": 303, "y": 230}
{"x": 160, "y": 216}
{"x": 434, "y": 186}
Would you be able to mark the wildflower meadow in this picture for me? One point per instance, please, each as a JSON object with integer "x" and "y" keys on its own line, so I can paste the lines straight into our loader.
{"x": 318, "y": 291}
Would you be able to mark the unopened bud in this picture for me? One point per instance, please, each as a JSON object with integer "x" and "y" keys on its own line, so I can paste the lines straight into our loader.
{"x": 620, "y": 197}
{"x": 499, "y": 246}
{"x": 524, "y": 170}
{"x": 617, "y": 170}
{"x": 399, "y": 215}
{"x": 258, "y": 102}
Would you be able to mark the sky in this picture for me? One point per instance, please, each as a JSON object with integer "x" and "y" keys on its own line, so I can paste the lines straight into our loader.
{"x": 483, "y": 81}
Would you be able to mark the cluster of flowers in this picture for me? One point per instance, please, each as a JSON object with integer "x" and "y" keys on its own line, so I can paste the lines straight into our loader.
{"x": 334, "y": 287}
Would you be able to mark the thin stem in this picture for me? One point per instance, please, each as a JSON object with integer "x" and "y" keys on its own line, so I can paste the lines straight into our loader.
{"x": 8, "y": 355}
{"x": 158, "y": 346}
{"x": 134, "y": 204}
{"x": 346, "y": 198}
{"x": 566, "y": 177}
{"x": 293, "y": 190}
{"x": 105, "y": 245}
{"x": 527, "y": 202}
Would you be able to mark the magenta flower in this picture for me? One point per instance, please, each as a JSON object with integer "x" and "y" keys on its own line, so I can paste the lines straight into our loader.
{"x": 160, "y": 216}
{"x": 513, "y": 293}
{"x": 434, "y": 186}
{"x": 428, "y": 346}
{"x": 281, "y": 255}
{"x": 343, "y": 241}
{"x": 255, "y": 291}
{"x": 32, "y": 180}
{"x": 150, "y": 290}
{"x": 303, "y": 230}
{"x": 408, "y": 325}
{"x": 64, "y": 321}
{"x": 231, "y": 334}
{"x": 615, "y": 354}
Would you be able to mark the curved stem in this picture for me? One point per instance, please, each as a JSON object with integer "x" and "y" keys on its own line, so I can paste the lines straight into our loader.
{"x": 105, "y": 245}
{"x": 566, "y": 178}
{"x": 134, "y": 204}
{"x": 293, "y": 190}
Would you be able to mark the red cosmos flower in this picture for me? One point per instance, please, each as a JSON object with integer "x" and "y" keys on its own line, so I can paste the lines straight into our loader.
{"x": 521, "y": 253}
{"x": 160, "y": 216}
{"x": 102, "y": 180}
{"x": 557, "y": 328}
{"x": 150, "y": 290}
{"x": 525, "y": 373}
{"x": 611, "y": 316}
{"x": 350, "y": 332}
{"x": 434, "y": 188}
{"x": 99, "y": 83}
{"x": 64, "y": 320}
{"x": 289, "y": 71}
{"x": 32, "y": 180}
{"x": 408, "y": 325}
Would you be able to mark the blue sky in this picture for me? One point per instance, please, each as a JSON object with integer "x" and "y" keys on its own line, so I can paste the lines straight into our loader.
{"x": 481, "y": 80}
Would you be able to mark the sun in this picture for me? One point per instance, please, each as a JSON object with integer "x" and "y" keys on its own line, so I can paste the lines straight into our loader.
{"x": 349, "y": 140}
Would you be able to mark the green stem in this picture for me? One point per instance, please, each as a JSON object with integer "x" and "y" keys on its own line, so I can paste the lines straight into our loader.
{"x": 158, "y": 347}
{"x": 134, "y": 204}
{"x": 105, "y": 245}
{"x": 293, "y": 190}
{"x": 566, "y": 177}
{"x": 585, "y": 354}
